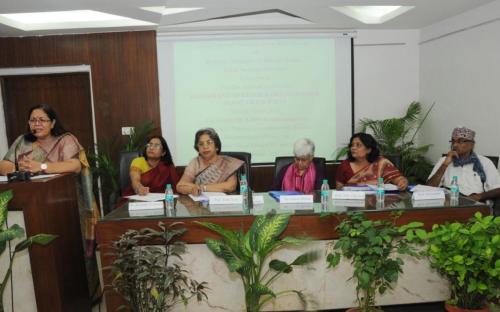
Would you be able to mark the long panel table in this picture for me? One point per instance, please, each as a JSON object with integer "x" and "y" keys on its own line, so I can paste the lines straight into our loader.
{"x": 305, "y": 220}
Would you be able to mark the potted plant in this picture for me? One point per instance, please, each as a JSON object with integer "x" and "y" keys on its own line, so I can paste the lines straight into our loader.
{"x": 246, "y": 253}
{"x": 152, "y": 277}
{"x": 374, "y": 249}
{"x": 396, "y": 138}
{"x": 9, "y": 233}
{"x": 468, "y": 255}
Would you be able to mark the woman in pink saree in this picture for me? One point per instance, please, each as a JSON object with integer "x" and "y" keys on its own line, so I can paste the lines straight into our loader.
{"x": 364, "y": 165}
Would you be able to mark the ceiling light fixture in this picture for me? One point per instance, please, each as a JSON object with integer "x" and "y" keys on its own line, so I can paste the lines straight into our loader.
{"x": 373, "y": 14}
{"x": 67, "y": 20}
{"x": 167, "y": 11}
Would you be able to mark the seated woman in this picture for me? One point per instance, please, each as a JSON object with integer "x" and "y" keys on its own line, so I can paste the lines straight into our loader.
{"x": 209, "y": 172}
{"x": 153, "y": 171}
{"x": 303, "y": 175}
{"x": 364, "y": 165}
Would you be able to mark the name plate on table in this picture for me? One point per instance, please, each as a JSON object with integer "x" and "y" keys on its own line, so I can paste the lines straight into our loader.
{"x": 225, "y": 200}
{"x": 349, "y": 202}
{"x": 145, "y": 205}
{"x": 258, "y": 200}
{"x": 296, "y": 206}
{"x": 146, "y": 212}
{"x": 428, "y": 203}
{"x": 225, "y": 207}
{"x": 348, "y": 195}
{"x": 296, "y": 199}
{"x": 428, "y": 195}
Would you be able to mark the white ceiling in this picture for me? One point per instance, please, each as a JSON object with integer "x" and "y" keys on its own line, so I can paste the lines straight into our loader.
{"x": 240, "y": 14}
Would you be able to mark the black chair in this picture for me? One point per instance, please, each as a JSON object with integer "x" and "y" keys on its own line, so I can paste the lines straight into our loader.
{"x": 396, "y": 160}
{"x": 283, "y": 161}
{"x": 493, "y": 159}
{"x": 246, "y": 168}
{"x": 124, "y": 170}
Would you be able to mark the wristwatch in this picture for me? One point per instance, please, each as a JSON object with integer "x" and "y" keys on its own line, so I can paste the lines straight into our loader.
{"x": 43, "y": 167}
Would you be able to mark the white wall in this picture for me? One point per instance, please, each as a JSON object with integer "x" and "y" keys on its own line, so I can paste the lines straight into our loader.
{"x": 460, "y": 71}
{"x": 386, "y": 71}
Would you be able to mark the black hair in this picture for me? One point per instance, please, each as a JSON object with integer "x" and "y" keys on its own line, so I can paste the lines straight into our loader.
{"x": 213, "y": 136}
{"x": 369, "y": 142}
{"x": 167, "y": 158}
{"x": 58, "y": 128}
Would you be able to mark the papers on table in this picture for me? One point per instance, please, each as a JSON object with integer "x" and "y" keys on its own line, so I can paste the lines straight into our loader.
{"x": 150, "y": 197}
{"x": 36, "y": 177}
{"x": 44, "y": 176}
{"x": 205, "y": 196}
{"x": 424, "y": 188}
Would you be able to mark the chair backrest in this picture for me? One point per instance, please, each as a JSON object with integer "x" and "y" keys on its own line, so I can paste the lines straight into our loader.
{"x": 283, "y": 161}
{"x": 246, "y": 168}
{"x": 125, "y": 160}
{"x": 493, "y": 159}
{"x": 395, "y": 160}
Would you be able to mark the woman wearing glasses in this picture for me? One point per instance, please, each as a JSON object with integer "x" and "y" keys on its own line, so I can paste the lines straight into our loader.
{"x": 47, "y": 147}
{"x": 154, "y": 170}
{"x": 209, "y": 172}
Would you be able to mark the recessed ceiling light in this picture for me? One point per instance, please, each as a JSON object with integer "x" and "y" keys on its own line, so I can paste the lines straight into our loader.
{"x": 67, "y": 20}
{"x": 166, "y": 11}
{"x": 373, "y": 14}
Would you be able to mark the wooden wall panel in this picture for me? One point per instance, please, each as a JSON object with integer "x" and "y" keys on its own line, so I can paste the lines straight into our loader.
{"x": 123, "y": 65}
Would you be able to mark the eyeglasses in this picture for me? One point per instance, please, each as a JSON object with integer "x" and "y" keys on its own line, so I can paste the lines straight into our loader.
{"x": 206, "y": 143}
{"x": 34, "y": 121}
{"x": 153, "y": 146}
{"x": 460, "y": 141}
{"x": 356, "y": 145}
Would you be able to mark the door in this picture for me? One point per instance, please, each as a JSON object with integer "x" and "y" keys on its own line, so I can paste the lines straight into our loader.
{"x": 68, "y": 94}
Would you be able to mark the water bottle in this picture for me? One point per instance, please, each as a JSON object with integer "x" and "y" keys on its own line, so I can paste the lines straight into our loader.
{"x": 454, "y": 190}
{"x": 244, "y": 189}
{"x": 380, "y": 190}
{"x": 325, "y": 192}
{"x": 169, "y": 197}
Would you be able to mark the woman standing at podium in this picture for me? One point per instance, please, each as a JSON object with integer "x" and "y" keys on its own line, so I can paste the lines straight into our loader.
{"x": 48, "y": 148}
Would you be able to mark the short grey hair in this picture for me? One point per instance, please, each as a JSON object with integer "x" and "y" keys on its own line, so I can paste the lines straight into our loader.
{"x": 303, "y": 147}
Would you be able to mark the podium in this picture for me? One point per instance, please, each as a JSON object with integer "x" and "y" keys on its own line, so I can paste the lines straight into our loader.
{"x": 50, "y": 206}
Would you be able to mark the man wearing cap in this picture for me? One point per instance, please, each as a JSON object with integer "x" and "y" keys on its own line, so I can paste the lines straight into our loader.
{"x": 478, "y": 177}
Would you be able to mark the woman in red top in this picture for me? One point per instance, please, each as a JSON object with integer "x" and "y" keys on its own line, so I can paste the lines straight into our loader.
{"x": 364, "y": 165}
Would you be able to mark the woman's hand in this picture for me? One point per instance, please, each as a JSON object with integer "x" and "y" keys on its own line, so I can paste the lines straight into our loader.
{"x": 27, "y": 164}
{"x": 195, "y": 189}
{"x": 401, "y": 183}
{"x": 142, "y": 190}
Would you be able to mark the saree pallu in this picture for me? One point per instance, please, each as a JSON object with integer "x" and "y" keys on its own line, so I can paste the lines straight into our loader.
{"x": 156, "y": 179}
{"x": 380, "y": 168}
{"x": 217, "y": 172}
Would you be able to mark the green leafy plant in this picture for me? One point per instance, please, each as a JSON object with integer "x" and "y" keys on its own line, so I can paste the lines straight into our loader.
{"x": 153, "y": 278}
{"x": 9, "y": 233}
{"x": 468, "y": 255}
{"x": 246, "y": 254}
{"x": 396, "y": 137}
{"x": 374, "y": 249}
